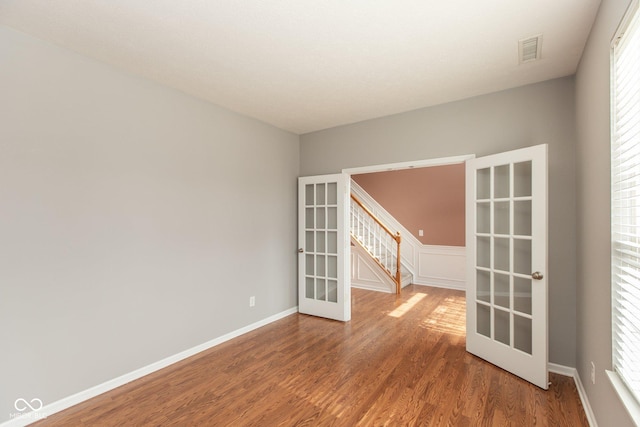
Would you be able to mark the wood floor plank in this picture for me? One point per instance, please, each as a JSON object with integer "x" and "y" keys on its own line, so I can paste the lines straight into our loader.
{"x": 400, "y": 361}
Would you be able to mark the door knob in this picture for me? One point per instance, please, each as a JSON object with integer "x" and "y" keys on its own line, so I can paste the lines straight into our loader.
{"x": 300, "y": 250}
{"x": 537, "y": 275}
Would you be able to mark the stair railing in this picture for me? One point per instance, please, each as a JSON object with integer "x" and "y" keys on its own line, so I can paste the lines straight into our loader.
{"x": 376, "y": 238}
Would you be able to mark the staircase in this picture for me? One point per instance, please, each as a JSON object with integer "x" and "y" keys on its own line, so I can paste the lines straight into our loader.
{"x": 405, "y": 275}
{"x": 371, "y": 237}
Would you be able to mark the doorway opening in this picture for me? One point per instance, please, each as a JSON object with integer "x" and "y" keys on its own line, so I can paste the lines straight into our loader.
{"x": 424, "y": 201}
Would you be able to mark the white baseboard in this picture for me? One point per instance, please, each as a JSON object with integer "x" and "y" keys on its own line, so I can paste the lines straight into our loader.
{"x": 573, "y": 372}
{"x": 67, "y": 402}
{"x": 562, "y": 370}
{"x": 442, "y": 283}
{"x": 370, "y": 288}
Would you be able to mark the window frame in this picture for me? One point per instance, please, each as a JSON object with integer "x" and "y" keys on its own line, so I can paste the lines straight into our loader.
{"x": 628, "y": 398}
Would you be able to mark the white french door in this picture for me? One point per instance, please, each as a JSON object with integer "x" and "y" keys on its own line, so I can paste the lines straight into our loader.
{"x": 506, "y": 228}
{"x": 324, "y": 287}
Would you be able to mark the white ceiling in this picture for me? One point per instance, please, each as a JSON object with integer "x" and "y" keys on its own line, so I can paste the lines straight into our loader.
{"x": 306, "y": 65}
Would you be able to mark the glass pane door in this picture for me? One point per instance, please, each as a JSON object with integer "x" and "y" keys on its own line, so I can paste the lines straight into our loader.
{"x": 506, "y": 261}
{"x": 503, "y": 254}
{"x": 323, "y": 287}
{"x": 321, "y": 241}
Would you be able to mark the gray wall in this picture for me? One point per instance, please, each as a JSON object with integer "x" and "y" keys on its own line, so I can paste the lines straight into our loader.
{"x": 530, "y": 115}
{"x": 594, "y": 223}
{"x": 135, "y": 221}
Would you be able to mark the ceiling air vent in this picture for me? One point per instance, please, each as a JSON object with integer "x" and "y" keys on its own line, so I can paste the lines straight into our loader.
{"x": 530, "y": 48}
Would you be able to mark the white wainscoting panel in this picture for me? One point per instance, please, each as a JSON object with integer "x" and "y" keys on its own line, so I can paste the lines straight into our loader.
{"x": 442, "y": 266}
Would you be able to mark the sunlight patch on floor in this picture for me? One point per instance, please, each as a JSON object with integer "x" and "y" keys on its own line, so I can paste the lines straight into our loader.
{"x": 408, "y": 305}
{"x": 449, "y": 317}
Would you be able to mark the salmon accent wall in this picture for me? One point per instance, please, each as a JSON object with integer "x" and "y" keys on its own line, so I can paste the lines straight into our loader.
{"x": 429, "y": 199}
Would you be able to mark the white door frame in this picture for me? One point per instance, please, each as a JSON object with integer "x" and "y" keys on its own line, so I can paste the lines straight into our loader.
{"x": 440, "y": 161}
{"x": 413, "y": 251}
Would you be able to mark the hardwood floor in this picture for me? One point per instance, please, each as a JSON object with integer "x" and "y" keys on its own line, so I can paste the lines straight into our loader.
{"x": 399, "y": 362}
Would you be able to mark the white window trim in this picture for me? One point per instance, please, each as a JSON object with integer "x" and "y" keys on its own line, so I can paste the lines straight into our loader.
{"x": 629, "y": 401}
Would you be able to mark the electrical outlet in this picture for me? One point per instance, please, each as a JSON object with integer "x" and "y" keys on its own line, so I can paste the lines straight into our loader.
{"x": 421, "y": 233}
{"x": 593, "y": 373}
{"x": 252, "y": 301}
